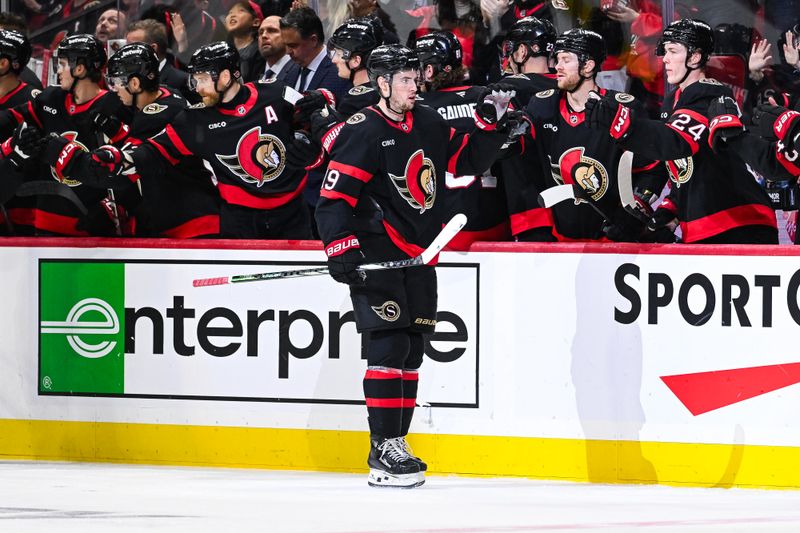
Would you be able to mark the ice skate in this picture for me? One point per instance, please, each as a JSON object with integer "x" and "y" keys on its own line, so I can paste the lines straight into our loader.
{"x": 391, "y": 465}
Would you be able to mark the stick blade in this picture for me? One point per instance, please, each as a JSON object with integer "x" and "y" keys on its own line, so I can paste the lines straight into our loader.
{"x": 556, "y": 195}
{"x": 445, "y": 236}
{"x": 625, "y": 180}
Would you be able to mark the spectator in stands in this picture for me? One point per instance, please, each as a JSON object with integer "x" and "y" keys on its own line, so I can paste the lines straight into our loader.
{"x": 10, "y": 21}
{"x": 770, "y": 79}
{"x": 242, "y": 22}
{"x": 370, "y": 8}
{"x": 270, "y": 44}
{"x": 112, "y": 24}
{"x": 154, "y": 34}
{"x": 304, "y": 38}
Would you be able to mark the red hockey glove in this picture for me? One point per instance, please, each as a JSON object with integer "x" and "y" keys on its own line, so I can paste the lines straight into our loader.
{"x": 725, "y": 123}
{"x": 344, "y": 256}
{"x": 606, "y": 113}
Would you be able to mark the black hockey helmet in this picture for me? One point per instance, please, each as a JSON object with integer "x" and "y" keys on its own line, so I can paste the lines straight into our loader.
{"x": 358, "y": 36}
{"x": 82, "y": 49}
{"x": 134, "y": 60}
{"x": 441, "y": 49}
{"x": 732, "y": 39}
{"x": 586, "y": 44}
{"x": 527, "y": 4}
{"x": 694, "y": 34}
{"x": 215, "y": 57}
{"x": 389, "y": 59}
{"x": 15, "y": 47}
{"x": 538, "y": 34}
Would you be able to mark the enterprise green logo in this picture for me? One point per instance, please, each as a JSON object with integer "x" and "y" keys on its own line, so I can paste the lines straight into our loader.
{"x": 81, "y": 340}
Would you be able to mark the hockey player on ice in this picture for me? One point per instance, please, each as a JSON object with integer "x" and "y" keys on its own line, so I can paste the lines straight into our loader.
{"x": 382, "y": 199}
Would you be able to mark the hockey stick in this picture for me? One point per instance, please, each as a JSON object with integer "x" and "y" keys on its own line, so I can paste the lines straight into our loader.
{"x": 625, "y": 180}
{"x": 569, "y": 191}
{"x": 445, "y": 236}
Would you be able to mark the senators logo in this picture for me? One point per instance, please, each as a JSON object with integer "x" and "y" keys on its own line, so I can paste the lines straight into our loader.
{"x": 589, "y": 173}
{"x": 418, "y": 185}
{"x": 680, "y": 170}
{"x": 259, "y": 158}
{"x": 388, "y": 311}
{"x": 73, "y": 137}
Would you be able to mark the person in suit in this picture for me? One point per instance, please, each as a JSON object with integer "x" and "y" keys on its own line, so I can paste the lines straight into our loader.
{"x": 304, "y": 38}
{"x": 154, "y": 34}
{"x": 279, "y": 65}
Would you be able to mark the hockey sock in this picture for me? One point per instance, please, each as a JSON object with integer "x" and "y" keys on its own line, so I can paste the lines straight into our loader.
{"x": 411, "y": 379}
{"x": 383, "y": 390}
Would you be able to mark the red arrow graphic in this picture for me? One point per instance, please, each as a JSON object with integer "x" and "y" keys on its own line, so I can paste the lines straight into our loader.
{"x": 706, "y": 391}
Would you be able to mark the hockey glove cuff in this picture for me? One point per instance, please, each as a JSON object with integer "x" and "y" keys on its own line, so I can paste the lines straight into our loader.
{"x": 25, "y": 146}
{"x": 725, "y": 123}
{"x": 60, "y": 153}
{"x": 326, "y": 123}
{"x": 344, "y": 256}
{"x": 774, "y": 122}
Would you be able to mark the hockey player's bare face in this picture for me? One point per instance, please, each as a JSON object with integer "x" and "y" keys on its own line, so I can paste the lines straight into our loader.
{"x": 120, "y": 87}
{"x": 674, "y": 62}
{"x": 344, "y": 66}
{"x": 65, "y": 78}
{"x": 401, "y": 91}
{"x": 206, "y": 87}
{"x": 568, "y": 73}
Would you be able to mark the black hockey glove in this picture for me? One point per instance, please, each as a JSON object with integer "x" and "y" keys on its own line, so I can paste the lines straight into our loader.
{"x": 324, "y": 128}
{"x": 493, "y": 100}
{"x": 725, "y": 122}
{"x": 303, "y": 152}
{"x": 626, "y": 227}
{"x": 605, "y": 113}
{"x": 310, "y": 102}
{"x": 25, "y": 147}
{"x": 519, "y": 124}
{"x": 111, "y": 127}
{"x": 344, "y": 256}
{"x": 774, "y": 122}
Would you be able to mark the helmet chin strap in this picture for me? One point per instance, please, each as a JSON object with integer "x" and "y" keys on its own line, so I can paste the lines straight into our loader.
{"x": 583, "y": 78}
{"x": 520, "y": 64}
{"x": 221, "y": 93}
{"x": 688, "y": 71}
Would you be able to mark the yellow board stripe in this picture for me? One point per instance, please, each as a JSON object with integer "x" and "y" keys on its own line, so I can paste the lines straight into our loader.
{"x": 708, "y": 465}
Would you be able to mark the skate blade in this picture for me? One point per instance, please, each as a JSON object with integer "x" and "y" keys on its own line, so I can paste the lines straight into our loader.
{"x": 380, "y": 479}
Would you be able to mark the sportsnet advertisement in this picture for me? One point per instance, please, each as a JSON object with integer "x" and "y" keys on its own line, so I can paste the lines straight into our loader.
{"x": 139, "y": 329}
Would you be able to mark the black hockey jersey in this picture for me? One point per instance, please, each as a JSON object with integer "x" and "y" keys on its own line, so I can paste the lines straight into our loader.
{"x": 357, "y": 98}
{"x": 527, "y": 85}
{"x": 480, "y": 197}
{"x": 710, "y": 194}
{"x": 243, "y": 141}
{"x": 54, "y": 111}
{"x": 574, "y": 154}
{"x": 18, "y": 207}
{"x": 183, "y": 203}
{"x": 395, "y": 171}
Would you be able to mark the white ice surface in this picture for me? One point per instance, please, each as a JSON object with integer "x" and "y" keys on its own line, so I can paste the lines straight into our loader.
{"x": 79, "y": 497}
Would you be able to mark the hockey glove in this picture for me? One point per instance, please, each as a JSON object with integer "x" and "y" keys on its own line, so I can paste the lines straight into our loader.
{"x": 344, "y": 256}
{"x": 111, "y": 127}
{"x": 25, "y": 146}
{"x": 643, "y": 211}
{"x": 626, "y": 227}
{"x": 310, "y": 102}
{"x": 326, "y": 123}
{"x": 775, "y": 122}
{"x": 303, "y": 152}
{"x": 107, "y": 218}
{"x": 519, "y": 124}
{"x": 725, "y": 123}
{"x": 605, "y": 113}
{"x": 493, "y": 100}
